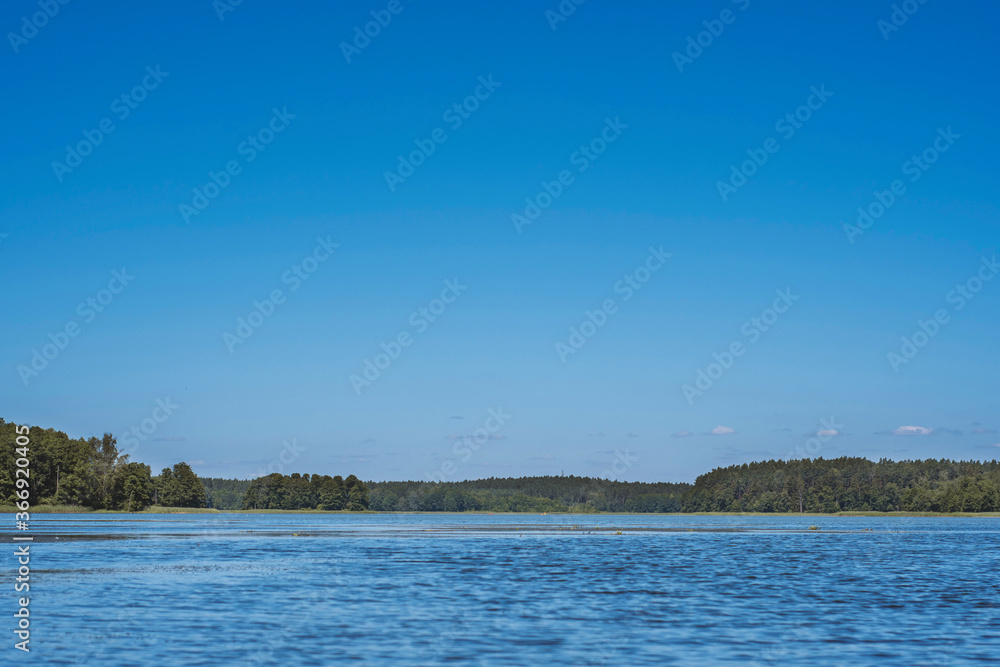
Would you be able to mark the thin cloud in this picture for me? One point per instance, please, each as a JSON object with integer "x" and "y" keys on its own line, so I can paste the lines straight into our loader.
{"x": 682, "y": 434}
{"x": 596, "y": 435}
{"x": 171, "y": 439}
{"x": 456, "y": 417}
{"x": 908, "y": 430}
{"x": 367, "y": 441}
{"x": 782, "y": 430}
{"x": 983, "y": 431}
{"x": 722, "y": 430}
{"x": 949, "y": 431}
{"x": 631, "y": 435}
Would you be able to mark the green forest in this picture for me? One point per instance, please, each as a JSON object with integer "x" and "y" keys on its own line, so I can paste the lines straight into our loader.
{"x": 528, "y": 494}
{"x": 92, "y": 473}
{"x": 845, "y": 484}
{"x": 296, "y": 492}
{"x": 849, "y": 485}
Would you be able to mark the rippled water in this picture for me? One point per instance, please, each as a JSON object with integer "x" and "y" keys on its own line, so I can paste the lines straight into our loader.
{"x": 206, "y": 589}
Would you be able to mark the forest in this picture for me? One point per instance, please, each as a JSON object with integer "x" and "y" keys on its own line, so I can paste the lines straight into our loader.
{"x": 296, "y": 492}
{"x": 848, "y": 484}
{"x": 528, "y": 494}
{"x": 845, "y": 484}
{"x": 92, "y": 473}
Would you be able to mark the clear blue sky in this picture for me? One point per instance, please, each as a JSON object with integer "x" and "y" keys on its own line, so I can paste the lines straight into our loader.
{"x": 885, "y": 96}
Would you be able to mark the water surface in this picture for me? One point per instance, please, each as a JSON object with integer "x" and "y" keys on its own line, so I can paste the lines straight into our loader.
{"x": 405, "y": 589}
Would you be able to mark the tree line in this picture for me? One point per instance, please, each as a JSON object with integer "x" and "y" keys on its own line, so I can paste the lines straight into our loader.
{"x": 848, "y": 484}
{"x": 91, "y": 473}
{"x": 809, "y": 485}
{"x": 567, "y": 493}
{"x": 295, "y": 492}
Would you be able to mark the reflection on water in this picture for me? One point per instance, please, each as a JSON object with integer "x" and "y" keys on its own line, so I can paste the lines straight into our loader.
{"x": 513, "y": 590}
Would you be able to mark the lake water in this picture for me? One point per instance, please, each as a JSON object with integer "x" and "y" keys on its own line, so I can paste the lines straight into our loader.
{"x": 293, "y": 589}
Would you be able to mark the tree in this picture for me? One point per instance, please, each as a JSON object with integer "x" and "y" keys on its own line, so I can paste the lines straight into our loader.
{"x": 133, "y": 487}
{"x": 180, "y": 487}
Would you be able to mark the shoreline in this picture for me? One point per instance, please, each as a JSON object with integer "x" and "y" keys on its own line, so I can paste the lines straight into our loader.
{"x": 64, "y": 509}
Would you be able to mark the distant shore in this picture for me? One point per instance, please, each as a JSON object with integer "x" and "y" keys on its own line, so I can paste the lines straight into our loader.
{"x": 73, "y": 509}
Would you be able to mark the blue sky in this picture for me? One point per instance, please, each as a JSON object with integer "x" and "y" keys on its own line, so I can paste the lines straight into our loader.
{"x": 599, "y": 100}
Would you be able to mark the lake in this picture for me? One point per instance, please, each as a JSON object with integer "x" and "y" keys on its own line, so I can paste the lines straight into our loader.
{"x": 403, "y": 589}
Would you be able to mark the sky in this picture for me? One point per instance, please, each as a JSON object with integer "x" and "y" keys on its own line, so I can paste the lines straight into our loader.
{"x": 523, "y": 238}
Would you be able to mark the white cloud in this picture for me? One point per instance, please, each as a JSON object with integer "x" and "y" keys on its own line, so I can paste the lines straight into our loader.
{"x": 912, "y": 430}
{"x": 828, "y": 432}
{"x": 722, "y": 430}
